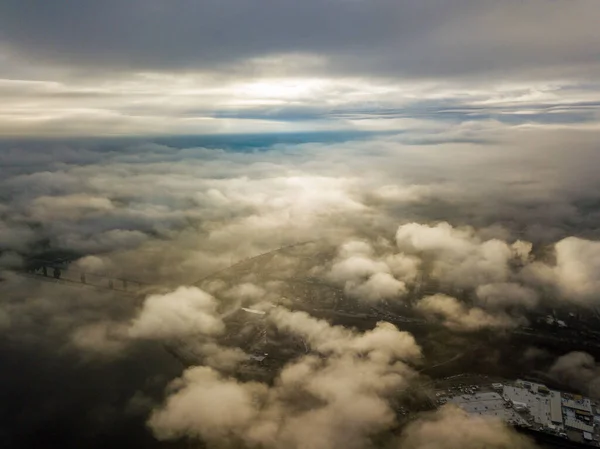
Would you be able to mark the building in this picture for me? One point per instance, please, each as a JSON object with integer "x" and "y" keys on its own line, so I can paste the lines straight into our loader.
{"x": 556, "y": 408}
{"x": 530, "y": 404}
{"x": 489, "y": 404}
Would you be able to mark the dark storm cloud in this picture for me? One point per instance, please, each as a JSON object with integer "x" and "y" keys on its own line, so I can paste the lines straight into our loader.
{"x": 429, "y": 38}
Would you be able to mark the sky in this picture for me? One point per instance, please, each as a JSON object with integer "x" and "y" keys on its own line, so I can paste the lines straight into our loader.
{"x": 450, "y": 143}
{"x": 153, "y": 67}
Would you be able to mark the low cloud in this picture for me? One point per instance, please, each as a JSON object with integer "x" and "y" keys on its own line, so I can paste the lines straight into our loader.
{"x": 504, "y": 295}
{"x": 459, "y": 257}
{"x": 577, "y": 370}
{"x": 369, "y": 277}
{"x": 458, "y": 316}
{"x": 203, "y": 404}
{"x": 576, "y": 273}
{"x": 186, "y": 311}
{"x": 453, "y": 428}
{"x": 385, "y": 341}
{"x": 492, "y": 241}
{"x": 338, "y": 401}
{"x": 71, "y": 207}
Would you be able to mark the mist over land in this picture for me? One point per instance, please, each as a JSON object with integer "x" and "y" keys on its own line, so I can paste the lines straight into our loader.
{"x": 279, "y": 225}
{"x": 489, "y": 239}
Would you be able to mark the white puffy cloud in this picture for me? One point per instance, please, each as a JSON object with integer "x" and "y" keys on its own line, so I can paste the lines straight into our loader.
{"x": 356, "y": 267}
{"x": 355, "y": 248}
{"x": 452, "y": 428}
{"x": 187, "y": 311}
{"x": 204, "y": 404}
{"x": 459, "y": 316}
{"x": 578, "y": 268}
{"x": 441, "y": 238}
{"x": 185, "y": 319}
{"x": 575, "y": 275}
{"x": 340, "y": 401}
{"x": 577, "y": 370}
{"x": 458, "y": 256}
{"x": 377, "y": 287}
{"x": 404, "y": 266}
{"x": 502, "y": 295}
{"x": 366, "y": 276}
{"x": 385, "y": 340}
{"x": 522, "y": 250}
{"x": 324, "y": 405}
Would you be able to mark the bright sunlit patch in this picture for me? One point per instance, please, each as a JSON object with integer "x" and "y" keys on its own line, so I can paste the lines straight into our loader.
{"x": 281, "y": 88}
{"x": 198, "y": 103}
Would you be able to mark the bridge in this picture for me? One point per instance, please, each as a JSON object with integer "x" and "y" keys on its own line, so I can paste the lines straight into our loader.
{"x": 249, "y": 260}
{"x": 60, "y": 272}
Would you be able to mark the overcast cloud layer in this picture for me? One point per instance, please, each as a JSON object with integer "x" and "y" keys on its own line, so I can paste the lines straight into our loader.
{"x": 431, "y": 38}
{"x": 164, "y": 67}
